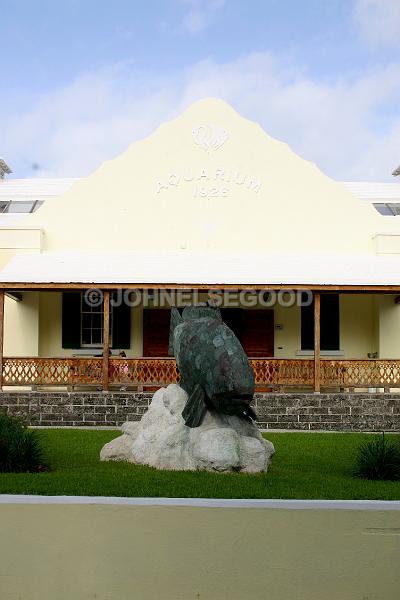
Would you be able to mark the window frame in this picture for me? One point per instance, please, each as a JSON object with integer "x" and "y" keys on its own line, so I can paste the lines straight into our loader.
{"x": 94, "y": 311}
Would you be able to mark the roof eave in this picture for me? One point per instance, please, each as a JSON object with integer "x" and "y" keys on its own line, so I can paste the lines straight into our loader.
{"x": 35, "y": 286}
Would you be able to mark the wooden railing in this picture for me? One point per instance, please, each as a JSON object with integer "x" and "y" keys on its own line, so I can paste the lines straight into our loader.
{"x": 52, "y": 371}
{"x": 277, "y": 372}
{"x": 351, "y": 373}
{"x": 143, "y": 371}
{"x": 88, "y": 371}
{"x": 156, "y": 372}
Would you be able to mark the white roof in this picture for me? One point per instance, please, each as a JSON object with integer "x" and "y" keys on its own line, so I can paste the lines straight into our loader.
{"x": 187, "y": 267}
{"x": 374, "y": 191}
{"x": 34, "y": 189}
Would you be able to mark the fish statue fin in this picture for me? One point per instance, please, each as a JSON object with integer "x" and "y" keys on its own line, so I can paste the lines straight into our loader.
{"x": 195, "y": 407}
{"x": 175, "y": 320}
{"x": 250, "y": 414}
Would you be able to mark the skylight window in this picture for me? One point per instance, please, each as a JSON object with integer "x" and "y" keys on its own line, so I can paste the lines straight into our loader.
{"x": 388, "y": 209}
{"x": 24, "y": 207}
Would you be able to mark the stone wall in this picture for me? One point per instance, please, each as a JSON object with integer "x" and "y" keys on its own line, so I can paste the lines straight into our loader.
{"x": 336, "y": 412}
{"x": 75, "y": 408}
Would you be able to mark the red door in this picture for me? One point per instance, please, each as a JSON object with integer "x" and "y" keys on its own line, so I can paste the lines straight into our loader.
{"x": 156, "y": 331}
{"x": 254, "y": 328}
{"x": 258, "y": 332}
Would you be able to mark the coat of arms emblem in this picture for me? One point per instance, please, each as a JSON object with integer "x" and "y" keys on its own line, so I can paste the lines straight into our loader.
{"x": 210, "y": 137}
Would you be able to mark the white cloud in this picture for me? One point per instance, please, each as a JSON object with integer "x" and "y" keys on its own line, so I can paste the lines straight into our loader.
{"x": 338, "y": 125}
{"x": 378, "y": 21}
{"x": 199, "y": 14}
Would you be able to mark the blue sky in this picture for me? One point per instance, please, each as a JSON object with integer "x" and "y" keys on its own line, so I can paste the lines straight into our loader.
{"x": 82, "y": 79}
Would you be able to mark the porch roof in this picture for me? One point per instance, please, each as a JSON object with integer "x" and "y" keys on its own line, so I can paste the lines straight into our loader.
{"x": 184, "y": 267}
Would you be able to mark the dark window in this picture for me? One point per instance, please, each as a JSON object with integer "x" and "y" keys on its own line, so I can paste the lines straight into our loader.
{"x": 330, "y": 326}
{"x": 82, "y": 324}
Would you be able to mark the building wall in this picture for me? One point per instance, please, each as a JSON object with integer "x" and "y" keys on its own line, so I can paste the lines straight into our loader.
{"x": 21, "y": 326}
{"x": 287, "y": 341}
{"x": 50, "y": 330}
{"x": 388, "y": 326}
{"x": 18, "y": 240}
{"x": 357, "y": 325}
{"x": 21, "y": 319}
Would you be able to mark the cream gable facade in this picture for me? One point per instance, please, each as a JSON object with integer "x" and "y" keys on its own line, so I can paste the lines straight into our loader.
{"x": 171, "y": 191}
{"x": 209, "y": 199}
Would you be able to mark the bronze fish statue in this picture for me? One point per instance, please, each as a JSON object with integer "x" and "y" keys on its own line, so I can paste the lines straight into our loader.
{"x": 214, "y": 369}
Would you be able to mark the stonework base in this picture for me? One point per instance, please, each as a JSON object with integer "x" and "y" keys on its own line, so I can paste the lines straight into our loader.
{"x": 292, "y": 410}
{"x": 161, "y": 439}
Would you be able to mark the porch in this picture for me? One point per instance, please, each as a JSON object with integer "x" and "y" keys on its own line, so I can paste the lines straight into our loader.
{"x": 333, "y": 345}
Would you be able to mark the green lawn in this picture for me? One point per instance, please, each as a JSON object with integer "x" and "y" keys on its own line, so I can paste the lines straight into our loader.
{"x": 314, "y": 465}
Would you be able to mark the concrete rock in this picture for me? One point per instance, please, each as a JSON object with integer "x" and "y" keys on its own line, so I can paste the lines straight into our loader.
{"x": 161, "y": 439}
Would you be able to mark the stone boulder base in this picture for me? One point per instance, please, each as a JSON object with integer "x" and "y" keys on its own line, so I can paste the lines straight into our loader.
{"x": 161, "y": 439}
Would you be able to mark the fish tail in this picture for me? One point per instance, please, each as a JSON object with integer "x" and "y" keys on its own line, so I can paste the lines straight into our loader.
{"x": 195, "y": 407}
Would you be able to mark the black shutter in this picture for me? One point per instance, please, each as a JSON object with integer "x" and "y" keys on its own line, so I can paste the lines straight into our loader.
{"x": 330, "y": 324}
{"x": 71, "y": 320}
{"x": 121, "y": 331}
{"x": 330, "y": 327}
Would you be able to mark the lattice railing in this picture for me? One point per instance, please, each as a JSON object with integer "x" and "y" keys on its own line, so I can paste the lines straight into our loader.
{"x": 143, "y": 371}
{"x": 52, "y": 371}
{"x": 283, "y": 371}
{"x": 360, "y": 373}
{"x": 269, "y": 372}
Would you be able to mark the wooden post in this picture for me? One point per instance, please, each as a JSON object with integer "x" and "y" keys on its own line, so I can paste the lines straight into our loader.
{"x": 317, "y": 342}
{"x": 1, "y": 336}
{"x": 106, "y": 338}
